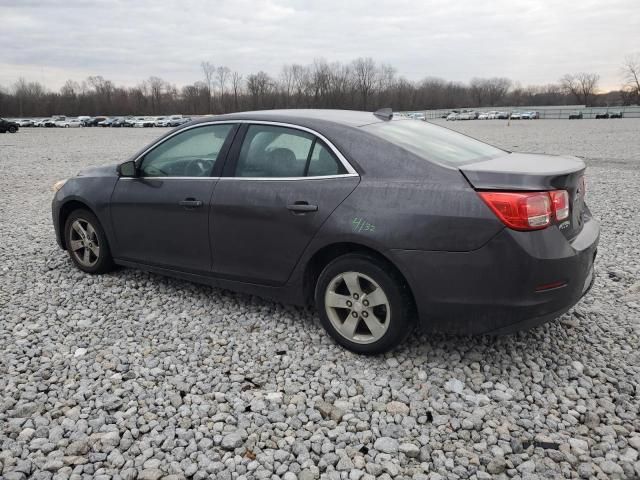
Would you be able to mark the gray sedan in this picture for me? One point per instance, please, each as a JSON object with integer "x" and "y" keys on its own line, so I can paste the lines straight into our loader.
{"x": 381, "y": 223}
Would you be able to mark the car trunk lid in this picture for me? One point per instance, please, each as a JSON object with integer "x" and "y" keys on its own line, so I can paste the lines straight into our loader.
{"x": 534, "y": 172}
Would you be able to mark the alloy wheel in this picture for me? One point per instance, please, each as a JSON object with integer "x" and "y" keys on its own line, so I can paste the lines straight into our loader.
{"x": 84, "y": 243}
{"x": 357, "y": 307}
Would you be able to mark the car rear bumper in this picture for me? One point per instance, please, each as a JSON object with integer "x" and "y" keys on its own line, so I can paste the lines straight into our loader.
{"x": 503, "y": 286}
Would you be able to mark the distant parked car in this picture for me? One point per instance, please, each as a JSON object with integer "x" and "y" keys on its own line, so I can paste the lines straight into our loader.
{"x": 452, "y": 117}
{"x": 158, "y": 121}
{"x": 600, "y": 115}
{"x": 48, "y": 122}
{"x": 503, "y": 115}
{"x": 128, "y": 121}
{"x": 515, "y": 116}
{"x": 492, "y": 115}
{"x": 176, "y": 122}
{"x": 69, "y": 123}
{"x": 529, "y": 115}
{"x": 615, "y": 115}
{"x": 468, "y": 115}
{"x": 8, "y": 126}
{"x": 575, "y": 115}
{"x": 93, "y": 121}
{"x": 118, "y": 122}
{"x": 24, "y": 122}
{"x": 106, "y": 122}
{"x": 483, "y": 116}
{"x": 144, "y": 122}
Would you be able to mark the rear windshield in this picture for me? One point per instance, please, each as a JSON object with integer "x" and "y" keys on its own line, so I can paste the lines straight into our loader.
{"x": 434, "y": 143}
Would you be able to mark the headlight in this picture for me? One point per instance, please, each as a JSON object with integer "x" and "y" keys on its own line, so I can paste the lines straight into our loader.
{"x": 58, "y": 185}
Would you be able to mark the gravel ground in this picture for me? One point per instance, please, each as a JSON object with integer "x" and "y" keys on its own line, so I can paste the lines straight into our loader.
{"x": 133, "y": 375}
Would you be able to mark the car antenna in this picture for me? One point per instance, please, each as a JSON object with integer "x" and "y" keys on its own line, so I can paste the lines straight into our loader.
{"x": 384, "y": 113}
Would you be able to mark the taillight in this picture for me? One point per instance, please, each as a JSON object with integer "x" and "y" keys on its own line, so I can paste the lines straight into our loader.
{"x": 560, "y": 199}
{"x": 528, "y": 210}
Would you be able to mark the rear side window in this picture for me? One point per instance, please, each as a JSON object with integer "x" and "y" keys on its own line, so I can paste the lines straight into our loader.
{"x": 434, "y": 143}
{"x": 323, "y": 162}
{"x": 273, "y": 151}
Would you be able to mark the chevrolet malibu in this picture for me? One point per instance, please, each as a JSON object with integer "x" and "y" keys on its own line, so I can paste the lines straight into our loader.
{"x": 381, "y": 223}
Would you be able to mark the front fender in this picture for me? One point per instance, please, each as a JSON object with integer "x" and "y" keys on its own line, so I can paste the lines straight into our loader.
{"x": 92, "y": 192}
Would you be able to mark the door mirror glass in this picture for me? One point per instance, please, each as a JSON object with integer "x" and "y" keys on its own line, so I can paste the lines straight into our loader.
{"x": 127, "y": 169}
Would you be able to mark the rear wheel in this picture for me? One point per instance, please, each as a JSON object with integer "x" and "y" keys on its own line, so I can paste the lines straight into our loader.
{"x": 87, "y": 243}
{"x": 363, "y": 305}
{"x": 12, "y": 129}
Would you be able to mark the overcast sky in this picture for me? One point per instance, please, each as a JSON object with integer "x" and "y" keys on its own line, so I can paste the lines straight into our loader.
{"x": 533, "y": 42}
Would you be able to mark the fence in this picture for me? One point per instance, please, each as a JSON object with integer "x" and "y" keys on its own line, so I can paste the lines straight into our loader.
{"x": 550, "y": 112}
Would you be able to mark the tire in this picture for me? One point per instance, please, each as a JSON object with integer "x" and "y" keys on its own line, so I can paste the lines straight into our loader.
{"x": 348, "y": 282}
{"x": 12, "y": 129}
{"x": 66, "y": 126}
{"x": 95, "y": 242}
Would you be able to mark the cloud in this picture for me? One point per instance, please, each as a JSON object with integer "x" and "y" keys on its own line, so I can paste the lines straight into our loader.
{"x": 532, "y": 42}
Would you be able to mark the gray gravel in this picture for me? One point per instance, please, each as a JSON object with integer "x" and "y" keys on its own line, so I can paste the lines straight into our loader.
{"x": 132, "y": 375}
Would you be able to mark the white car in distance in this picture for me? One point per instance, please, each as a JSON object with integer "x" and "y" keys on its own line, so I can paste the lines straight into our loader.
{"x": 69, "y": 123}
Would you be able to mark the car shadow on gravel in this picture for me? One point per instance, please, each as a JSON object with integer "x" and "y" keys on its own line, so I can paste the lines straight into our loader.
{"x": 535, "y": 341}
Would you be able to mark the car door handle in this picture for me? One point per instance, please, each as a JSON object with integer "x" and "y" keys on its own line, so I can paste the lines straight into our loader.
{"x": 190, "y": 203}
{"x": 302, "y": 207}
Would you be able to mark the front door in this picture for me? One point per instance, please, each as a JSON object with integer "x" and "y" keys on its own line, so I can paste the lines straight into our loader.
{"x": 161, "y": 217}
{"x": 285, "y": 184}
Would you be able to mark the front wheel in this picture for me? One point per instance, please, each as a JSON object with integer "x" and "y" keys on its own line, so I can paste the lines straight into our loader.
{"x": 363, "y": 304}
{"x": 12, "y": 129}
{"x": 87, "y": 243}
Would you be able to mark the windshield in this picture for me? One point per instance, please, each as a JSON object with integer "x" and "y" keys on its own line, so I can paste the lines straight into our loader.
{"x": 434, "y": 143}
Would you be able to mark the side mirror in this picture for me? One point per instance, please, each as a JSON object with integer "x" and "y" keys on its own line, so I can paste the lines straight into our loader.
{"x": 127, "y": 169}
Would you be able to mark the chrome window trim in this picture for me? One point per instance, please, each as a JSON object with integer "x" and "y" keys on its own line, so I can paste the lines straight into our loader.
{"x": 169, "y": 178}
{"x": 351, "y": 172}
{"x": 317, "y": 177}
{"x": 272, "y": 179}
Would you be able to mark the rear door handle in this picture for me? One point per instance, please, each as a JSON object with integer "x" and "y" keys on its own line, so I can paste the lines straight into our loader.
{"x": 190, "y": 203}
{"x": 302, "y": 207}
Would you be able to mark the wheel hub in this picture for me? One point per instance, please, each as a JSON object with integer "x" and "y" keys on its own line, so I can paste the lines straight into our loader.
{"x": 357, "y": 307}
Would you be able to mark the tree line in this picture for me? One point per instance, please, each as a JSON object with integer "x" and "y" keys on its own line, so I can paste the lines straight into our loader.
{"x": 361, "y": 84}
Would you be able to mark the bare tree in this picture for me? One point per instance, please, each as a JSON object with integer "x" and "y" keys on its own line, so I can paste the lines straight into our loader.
{"x": 222, "y": 77}
{"x": 156, "y": 86}
{"x": 209, "y": 71}
{"x": 478, "y": 90}
{"x": 260, "y": 85}
{"x": 496, "y": 89}
{"x": 364, "y": 72}
{"x": 582, "y": 86}
{"x": 287, "y": 80}
{"x": 631, "y": 76}
{"x": 236, "y": 85}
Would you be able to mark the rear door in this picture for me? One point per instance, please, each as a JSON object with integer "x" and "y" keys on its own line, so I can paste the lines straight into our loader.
{"x": 161, "y": 217}
{"x": 283, "y": 183}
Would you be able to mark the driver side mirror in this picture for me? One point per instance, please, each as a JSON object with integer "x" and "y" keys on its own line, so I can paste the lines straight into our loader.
{"x": 128, "y": 169}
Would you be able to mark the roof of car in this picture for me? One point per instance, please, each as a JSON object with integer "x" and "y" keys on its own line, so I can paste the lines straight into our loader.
{"x": 305, "y": 117}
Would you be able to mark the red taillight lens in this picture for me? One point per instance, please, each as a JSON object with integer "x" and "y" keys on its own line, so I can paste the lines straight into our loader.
{"x": 560, "y": 199}
{"x": 520, "y": 210}
{"x": 528, "y": 210}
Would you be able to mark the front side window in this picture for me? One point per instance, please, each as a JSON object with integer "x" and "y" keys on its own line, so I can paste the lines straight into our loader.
{"x": 434, "y": 143}
{"x": 273, "y": 151}
{"x": 192, "y": 153}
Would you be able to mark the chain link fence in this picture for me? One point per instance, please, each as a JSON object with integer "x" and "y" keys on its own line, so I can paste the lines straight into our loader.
{"x": 548, "y": 112}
